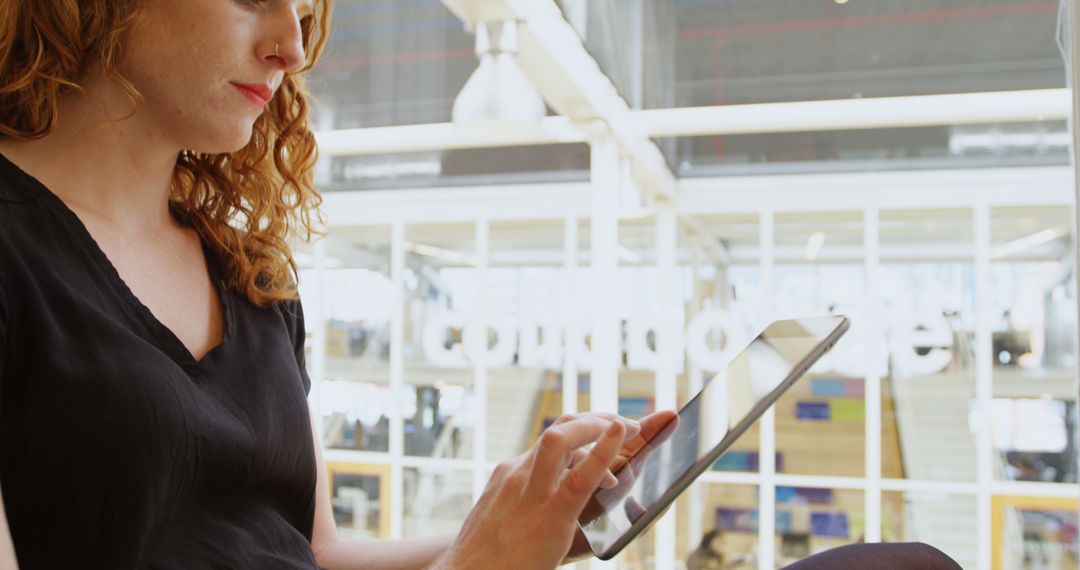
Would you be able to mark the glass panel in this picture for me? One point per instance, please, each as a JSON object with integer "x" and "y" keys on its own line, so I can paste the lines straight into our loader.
{"x": 639, "y": 306}
{"x": 756, "y": 52}
{"x": 1034, "y": 532}
{"x": 927, "y": 302}
{"x": 436, "y": 501}
{"x": 731, "y": 310}
{"x": 525, "y": 286}
{"x": 404, "y": 61}
{"x": 812, "y": 520}
{"x": 945, "y": 146}
{"x": 581, "y": 313}
{"x": 1034, "y": 328}
{"x": 360, "y": 496}
{"x": 354, "y": 398}
{"x": 729, "y": 522}
{"x": 441, "y": 292}
{"x": 943, "y": 520}
{"x": 460, "y": 167}
{"x": 820, "y": 421}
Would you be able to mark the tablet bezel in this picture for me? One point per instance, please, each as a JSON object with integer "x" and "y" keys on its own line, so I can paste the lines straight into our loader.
{"x": 680, "y": 484}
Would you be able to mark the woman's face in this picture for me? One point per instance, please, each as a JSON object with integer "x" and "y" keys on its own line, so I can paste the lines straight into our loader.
{"x": 188, "y": 58}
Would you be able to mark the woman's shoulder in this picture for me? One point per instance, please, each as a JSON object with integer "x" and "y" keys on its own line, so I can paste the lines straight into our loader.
{"x": 292, "y": 312}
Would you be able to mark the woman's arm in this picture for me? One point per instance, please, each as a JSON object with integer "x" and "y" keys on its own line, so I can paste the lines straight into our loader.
{"x": 7, "y": 548}
{"x": 334, "y": 553}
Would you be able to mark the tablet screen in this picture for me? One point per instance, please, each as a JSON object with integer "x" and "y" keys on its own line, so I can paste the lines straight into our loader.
{"x": 708, "y": 424}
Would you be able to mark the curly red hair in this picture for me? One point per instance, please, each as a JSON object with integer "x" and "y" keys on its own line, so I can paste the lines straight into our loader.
{"x": 246, "y": 204}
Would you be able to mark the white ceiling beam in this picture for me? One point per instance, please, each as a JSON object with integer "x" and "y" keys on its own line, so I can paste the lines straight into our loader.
{"x": 470, "y": 12}
{"x": 849, "y": 114}
{"x": 922, "y": 189}
{"x": 442, "y": 136}
{"x": 573, "y": 84}
{"x": 845, "y": 114}
{"x": 931, "y": 189}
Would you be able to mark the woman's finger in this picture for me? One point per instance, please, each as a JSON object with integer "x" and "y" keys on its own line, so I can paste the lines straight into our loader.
{"x": 633, "y": 427}
{"x": 585, "y": 477}
{"x": 578, "y": 455}
{"x": 551, "y": 452}
{"x": 651, "y": 425}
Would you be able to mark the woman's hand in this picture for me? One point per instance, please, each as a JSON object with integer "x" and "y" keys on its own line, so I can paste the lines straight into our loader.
{"x": 527, "y": 517}
{"x": 655, "y": 429}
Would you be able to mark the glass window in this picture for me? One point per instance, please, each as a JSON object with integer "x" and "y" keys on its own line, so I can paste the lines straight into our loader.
{"x": 354, "y": 396}
{"x": 820, "y": 421}
{"x": 927, "y": 301}
{"x": 758, "y": 52}
{"x": 524, "y": 291}
{"x": 728, "y": 528}
{"x": 856, "y": 150}
{"x": 442, "y": 291}
{"x": 391, "y": 63}
{"x": 437, "y": 500}
{"x": 944, "y": 520}
{"x": 1033, "y": 330}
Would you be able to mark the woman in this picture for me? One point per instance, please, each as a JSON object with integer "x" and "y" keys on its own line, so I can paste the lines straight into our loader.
{"x": 154, "y": 159}
{"x": 709, "y": 554}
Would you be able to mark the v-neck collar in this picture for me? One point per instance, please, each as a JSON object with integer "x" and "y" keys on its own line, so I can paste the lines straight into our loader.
{"x": 163, "y": 337}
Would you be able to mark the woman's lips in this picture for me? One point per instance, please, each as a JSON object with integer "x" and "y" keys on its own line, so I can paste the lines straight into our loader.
{"x": 259, "y": 95}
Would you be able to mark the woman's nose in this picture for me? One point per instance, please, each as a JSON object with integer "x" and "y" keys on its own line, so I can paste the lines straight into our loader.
{"x": 288, "y": 43}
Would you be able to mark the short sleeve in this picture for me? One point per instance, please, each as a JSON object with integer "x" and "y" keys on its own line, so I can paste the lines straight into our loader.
{"x": 293, "y": 311}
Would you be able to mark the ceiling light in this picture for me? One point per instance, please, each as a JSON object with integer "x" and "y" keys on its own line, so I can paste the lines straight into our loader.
{"x": 439, "y": 253}
{"x": 627, "y": 255}
{"x": 1035, "y": 239}
{"x": 498, "y": 94}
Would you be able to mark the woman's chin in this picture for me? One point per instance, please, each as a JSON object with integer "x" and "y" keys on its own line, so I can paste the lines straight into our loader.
{"x": 230, "y": 143}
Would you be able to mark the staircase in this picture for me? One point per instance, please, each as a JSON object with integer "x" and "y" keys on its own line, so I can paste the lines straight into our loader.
{"x": 442, "y": 498}
{"x": 513, "y": 394}
{"x": 937, "y": 444}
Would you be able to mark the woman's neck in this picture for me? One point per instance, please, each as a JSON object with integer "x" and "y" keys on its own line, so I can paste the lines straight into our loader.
{"x": 100, "y": 164}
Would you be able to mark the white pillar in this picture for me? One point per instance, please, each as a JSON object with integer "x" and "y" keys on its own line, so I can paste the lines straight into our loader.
{"x": 669, "y": 318}
{"x": 323, "y": 173}
{"x": 1074, "y": 73}
{"x": 694, "y": 385}
{"x": 569, "y": 317}
{"x": 873, "y": 332}
{"x": 397, "y": 377}
{"x": 606, "y": 334}
{"x": 606, "y": 350}
{"x": 315, "y": 322}
{"x": 984, "y": 452}
{"x": 767, "y": 448}
{"x": 480, "y": 362}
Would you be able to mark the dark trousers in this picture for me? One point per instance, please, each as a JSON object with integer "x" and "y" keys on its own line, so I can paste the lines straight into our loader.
{"x": 892, "y": 556}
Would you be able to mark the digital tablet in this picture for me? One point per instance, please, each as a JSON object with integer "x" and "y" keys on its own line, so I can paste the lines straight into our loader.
{"x": 704, "y": 429}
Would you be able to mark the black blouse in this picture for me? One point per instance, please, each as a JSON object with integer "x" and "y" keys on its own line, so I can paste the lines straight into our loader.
{"x": 117, "y": 448}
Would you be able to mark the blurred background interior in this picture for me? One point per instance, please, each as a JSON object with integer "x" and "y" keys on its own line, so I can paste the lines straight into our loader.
{"x": 522, "y": 196}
